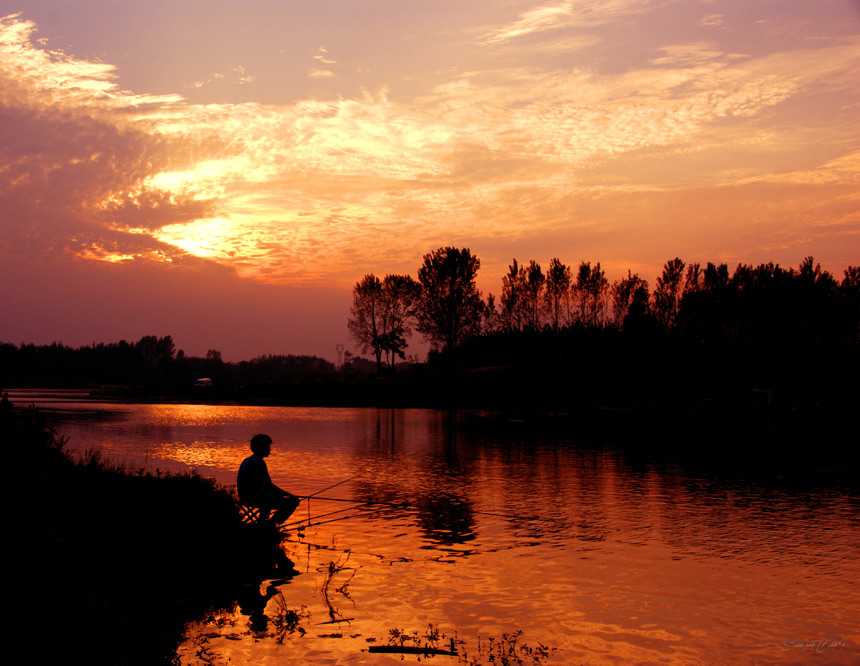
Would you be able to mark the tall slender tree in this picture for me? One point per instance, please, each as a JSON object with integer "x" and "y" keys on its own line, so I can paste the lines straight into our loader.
{"x": 382, "y": 311}
{"x": 513, "y": 298}
{"x": 694, "y": 279}
{"x": 629, "y": 298}
{"x": 534, "y": 289}
{"x": 716, "y": 278}
{"x": 849, "y": 290}
{"x": 399, "y": 296}
{"x": 490, "y": 319}
{"x": 668, "y": 292}
{"x": 557, "y": 293}
{"x": 589, "y": 293}
{"x": 367, "y": 323}
{"x": 450, "y": 307}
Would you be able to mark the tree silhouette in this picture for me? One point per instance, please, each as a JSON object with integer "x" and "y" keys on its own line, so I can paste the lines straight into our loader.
{"x": 399, "y": 296}
{"x": 629, "y": 298}
{"x": 534, "y": 288}
{"x": 557, "y": 293}
{"x": 513, "y": 298}
{"x": 367, "y": 323}
{"x": 450, "y": 307}
{"x": 668, "y": 292}
{"x": 716, "y": 278}
{"x": 705, "y": 310}
{"x": 852, "y": 278}
{"x": 694, "y": 279}
{"x": 490, "y": 319}
{"x": 589, "y": 294}
{"x": 849, "y": 291}
{"x": 382, "y": 311}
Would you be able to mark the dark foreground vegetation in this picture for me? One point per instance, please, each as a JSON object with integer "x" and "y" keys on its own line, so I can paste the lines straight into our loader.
{"x": 107, "y": 565}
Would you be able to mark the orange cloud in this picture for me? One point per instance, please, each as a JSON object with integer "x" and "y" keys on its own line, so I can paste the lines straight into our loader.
{"x": 507, "y": 149}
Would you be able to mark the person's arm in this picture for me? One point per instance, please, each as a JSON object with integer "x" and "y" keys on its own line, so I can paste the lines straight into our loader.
{"x": 284, "y": 493}
{"x": 275, "y": 490}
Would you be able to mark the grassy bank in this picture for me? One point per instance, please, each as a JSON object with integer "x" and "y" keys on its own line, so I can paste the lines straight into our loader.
{"x": 107, "y": 565}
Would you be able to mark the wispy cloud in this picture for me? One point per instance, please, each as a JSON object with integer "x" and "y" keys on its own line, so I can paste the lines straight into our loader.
{"x": 570, "y": 14}
{"x": 323, "y": 189}
{"x": 713, "y": 19}
{"x": 71, "y": 147}
{"x": 323, "y": 57}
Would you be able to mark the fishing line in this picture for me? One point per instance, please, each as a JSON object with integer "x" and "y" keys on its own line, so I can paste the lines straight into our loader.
{"x": 331, "y": 520}
{"x": 335, "y": 485}
{"x": 358, "y": 501}
{"x": 323, "y": 515}
{"x": 316, "y": 495}
{"x": 405, "y": 505}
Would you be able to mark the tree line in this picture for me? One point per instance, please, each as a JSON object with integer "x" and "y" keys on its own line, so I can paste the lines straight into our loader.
{"x": 151, "y": 361}
{"x": 707, "y": 305}
{"x": 444, "y": 305}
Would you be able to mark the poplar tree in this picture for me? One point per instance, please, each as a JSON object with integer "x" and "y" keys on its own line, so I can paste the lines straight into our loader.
{"x": 399, "y": 297}
{"x": 367, "y": 324}
{"x": 449, "y": 308}
{"x": 513, "y": 297}
{"x": 534, "y": 287}
{"x": 557, "y": 292}
{"x": 589, "y": 293}
{"x": 382, "y": 312}
{"x": 629, "y": 298}
{"x": 668, "y": 292}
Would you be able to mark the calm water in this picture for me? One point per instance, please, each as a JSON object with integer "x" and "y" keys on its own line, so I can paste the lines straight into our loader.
{"x": 609, "y": 554}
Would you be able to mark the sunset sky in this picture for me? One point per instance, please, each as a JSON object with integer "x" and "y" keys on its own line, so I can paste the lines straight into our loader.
{"x": 225, "y": 171}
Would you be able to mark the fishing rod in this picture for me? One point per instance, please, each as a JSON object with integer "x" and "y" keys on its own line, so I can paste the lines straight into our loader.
{"x": 330, "y": 513}
{"x": 334, "y": 485}
{"x": 352, "y": 478}
{"x": 303, "y": 523}
{"x": 309, "y": 520}
{"x": 400, "y": 505}
{"x": 349, "y": 508}
{"x": 405, "y": 505}
{"x": 359, "y": 501}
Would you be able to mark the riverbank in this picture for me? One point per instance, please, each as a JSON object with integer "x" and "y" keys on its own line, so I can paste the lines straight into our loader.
{"x": 110, "y": 563}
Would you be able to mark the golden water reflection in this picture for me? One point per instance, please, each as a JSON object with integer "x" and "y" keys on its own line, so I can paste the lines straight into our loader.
{"x": 610, "y": 556}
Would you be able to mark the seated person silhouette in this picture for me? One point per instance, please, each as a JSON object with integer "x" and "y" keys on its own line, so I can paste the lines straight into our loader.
{"x": 256, "y": 488}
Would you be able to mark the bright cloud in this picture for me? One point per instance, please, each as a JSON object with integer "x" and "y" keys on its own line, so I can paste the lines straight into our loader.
{"x": 571, "y": 14}
{"x": 508, "y": 148}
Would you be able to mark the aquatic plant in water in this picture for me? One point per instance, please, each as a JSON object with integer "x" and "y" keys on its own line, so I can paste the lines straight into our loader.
{"x": 287, "y": 620}
{"x": 427, "y": 645}
{"x": 332, "y": 569}
{"x": 508, "y": 651}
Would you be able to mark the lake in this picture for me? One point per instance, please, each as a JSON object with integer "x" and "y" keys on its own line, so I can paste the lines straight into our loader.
{"x": 477, "y": 526}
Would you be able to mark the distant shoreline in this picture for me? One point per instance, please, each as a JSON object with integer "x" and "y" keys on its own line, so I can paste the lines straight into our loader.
{"x": 731, "y": 425}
